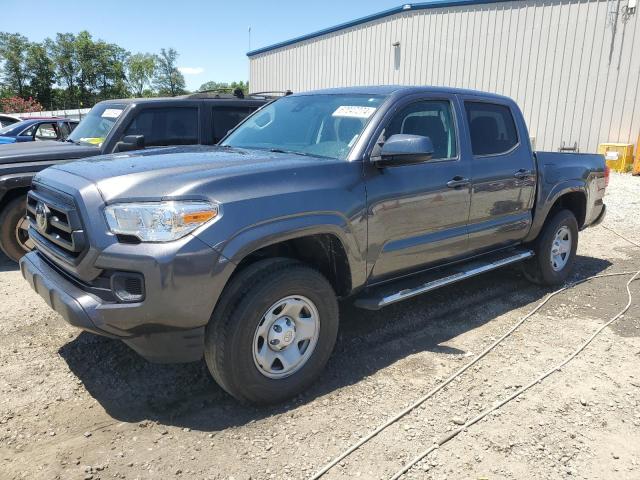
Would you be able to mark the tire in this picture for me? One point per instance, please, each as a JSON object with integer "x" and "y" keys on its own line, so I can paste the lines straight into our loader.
{"x": 14, "y": 242}
{"x": 243, "y": 327}
{"x": 545, "y": 268}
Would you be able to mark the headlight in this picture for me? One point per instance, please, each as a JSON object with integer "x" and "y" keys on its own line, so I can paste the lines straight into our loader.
{"x": 159, "y": 221}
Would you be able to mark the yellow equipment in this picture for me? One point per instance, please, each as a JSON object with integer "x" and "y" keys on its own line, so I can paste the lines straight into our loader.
{"x": 619, "y": 156}
{"x": 636, "y": 162}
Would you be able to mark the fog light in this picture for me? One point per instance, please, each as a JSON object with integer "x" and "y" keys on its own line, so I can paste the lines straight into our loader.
{"x": 128, "y": 287}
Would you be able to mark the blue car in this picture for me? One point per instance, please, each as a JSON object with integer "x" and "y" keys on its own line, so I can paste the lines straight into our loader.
{"x": 37, "y": 129}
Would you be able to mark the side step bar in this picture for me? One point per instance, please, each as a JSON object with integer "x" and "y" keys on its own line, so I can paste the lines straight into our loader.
{"x": 381, "y": 296}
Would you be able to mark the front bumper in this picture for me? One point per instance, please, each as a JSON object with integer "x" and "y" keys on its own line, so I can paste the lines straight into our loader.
{"x": 69, "y": 301}
{"x": 167, "y": 327}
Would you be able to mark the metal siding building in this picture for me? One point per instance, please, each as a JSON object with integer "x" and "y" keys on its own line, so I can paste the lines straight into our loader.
{"x": 572, "y": 65}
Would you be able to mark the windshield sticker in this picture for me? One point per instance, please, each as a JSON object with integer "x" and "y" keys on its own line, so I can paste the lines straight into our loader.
{"x": 93, "y": 140}
{"x": 353, "y": 111}
{"x": 111, "y": 113}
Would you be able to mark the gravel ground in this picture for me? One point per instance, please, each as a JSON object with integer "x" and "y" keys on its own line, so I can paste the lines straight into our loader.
{"x": 77, "y": 406}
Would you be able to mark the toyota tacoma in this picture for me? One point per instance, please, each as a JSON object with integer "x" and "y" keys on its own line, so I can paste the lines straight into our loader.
{"x": 239, "y": 252}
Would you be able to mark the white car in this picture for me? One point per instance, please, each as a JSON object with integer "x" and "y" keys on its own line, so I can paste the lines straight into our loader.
{"x": 8, "y": 119}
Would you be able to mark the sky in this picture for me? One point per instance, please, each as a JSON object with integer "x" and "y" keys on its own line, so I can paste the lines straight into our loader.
{"x": 211, "y": 37}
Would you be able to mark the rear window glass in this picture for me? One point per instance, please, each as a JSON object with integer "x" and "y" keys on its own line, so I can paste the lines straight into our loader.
{"x": 492, "y": 128}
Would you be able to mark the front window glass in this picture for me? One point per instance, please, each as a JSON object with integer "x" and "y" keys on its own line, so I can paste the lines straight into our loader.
{"x": 94, "y": 128}
{"x": 46, "y": 131}
{"x": 431, "y": 119}
{"x": 225, "y": 118}
{"x": 319, "y": 125}
{"x": 29, "y": 131}
{"x": 166, "y": 126}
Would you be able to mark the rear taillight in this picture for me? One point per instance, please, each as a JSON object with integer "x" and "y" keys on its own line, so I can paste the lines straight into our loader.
{"x": 607, "y": 172}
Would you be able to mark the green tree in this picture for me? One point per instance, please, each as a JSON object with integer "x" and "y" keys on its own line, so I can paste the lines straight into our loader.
{"x": 13, "y": 53}
{"x": 168, "y": 79}
{"x": 212, "y": 85}
{"x": 140, "y": 70}
{"x": 41, "y": 74}
{"x": 90, "y": 70}
{"x": 244, "y": 86}
{"x": 111, "y": 80}
{"x": 63, "y": 53}
{"x": 86, "y": 52}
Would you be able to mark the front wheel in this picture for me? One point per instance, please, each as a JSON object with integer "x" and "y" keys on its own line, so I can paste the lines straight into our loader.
{"x": 555, "y": 250}
{"x": 272, "y": 332}
{"x": 14, "y": 234}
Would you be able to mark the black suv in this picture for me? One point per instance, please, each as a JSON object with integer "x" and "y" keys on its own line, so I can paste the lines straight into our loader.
{"x": 115, "y": 126}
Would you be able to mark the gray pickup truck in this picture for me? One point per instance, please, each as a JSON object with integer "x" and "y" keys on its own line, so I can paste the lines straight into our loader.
{"x": 239, "y": 252}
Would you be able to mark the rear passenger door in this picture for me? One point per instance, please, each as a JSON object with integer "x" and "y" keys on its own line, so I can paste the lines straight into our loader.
{"x": 502, "y": 172}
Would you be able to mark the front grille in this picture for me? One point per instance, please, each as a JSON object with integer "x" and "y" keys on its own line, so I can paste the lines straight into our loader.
{"x": 55, "y": 223}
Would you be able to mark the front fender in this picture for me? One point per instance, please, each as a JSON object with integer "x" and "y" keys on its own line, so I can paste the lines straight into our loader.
{"x": 12, "y": 181}
{"x": 268, "y": 233}
{"x": 548, "y": 196}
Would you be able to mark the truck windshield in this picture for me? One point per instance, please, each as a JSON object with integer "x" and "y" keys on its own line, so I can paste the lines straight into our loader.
{"x": 94, "y": 128}
{"x": 319, "y": 125}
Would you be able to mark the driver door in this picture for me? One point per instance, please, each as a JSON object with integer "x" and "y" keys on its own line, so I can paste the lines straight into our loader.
{"x": 418, "y": 214}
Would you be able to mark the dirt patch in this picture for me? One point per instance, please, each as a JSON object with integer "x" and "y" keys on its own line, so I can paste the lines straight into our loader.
{"x": 73, "y": 405}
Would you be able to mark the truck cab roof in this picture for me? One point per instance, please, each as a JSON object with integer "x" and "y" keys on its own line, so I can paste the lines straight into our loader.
{"x": 402, "y": 90}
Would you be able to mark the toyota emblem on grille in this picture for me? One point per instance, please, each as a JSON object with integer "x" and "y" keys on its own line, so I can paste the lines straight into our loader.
{"x": 42, "y": 217}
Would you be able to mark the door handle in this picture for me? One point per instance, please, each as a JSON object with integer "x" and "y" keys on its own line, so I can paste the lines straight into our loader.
{"x": 457, "y": 182}
{"x": 522, "y": 173}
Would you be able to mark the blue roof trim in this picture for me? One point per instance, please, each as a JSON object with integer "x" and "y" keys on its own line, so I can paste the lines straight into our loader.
{"x": 375, "y": 16}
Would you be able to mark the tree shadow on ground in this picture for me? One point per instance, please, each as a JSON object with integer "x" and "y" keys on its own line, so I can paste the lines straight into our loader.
{"x": 132, "y": 389}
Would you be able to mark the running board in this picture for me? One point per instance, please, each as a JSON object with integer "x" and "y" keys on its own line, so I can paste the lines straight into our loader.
{"x": 386, "y": 294}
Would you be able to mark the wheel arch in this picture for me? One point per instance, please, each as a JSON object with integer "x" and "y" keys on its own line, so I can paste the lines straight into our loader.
{"x": 571, "y": 195}
{"x": 13, "y": 186}
{"x": 321, "y": 242}
{"x": 575, "y": 202}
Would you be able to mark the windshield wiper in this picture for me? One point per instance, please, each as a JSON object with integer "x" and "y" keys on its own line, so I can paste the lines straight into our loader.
{"x": 279, "y": 150}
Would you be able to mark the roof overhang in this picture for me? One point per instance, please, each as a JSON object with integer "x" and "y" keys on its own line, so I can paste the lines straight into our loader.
{"x": 375, "y": 16}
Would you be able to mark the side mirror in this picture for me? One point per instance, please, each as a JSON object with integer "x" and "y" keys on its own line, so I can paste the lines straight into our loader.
{"x": 402, "y": 149}
{"x": 130, "y": 143}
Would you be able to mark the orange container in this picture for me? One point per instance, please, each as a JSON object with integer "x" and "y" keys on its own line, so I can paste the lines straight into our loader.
{"x": 636, "y": 162}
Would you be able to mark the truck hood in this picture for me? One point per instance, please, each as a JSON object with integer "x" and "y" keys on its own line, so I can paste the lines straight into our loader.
{"x": 186, "y": 171}
{"x": 46, "y": 150}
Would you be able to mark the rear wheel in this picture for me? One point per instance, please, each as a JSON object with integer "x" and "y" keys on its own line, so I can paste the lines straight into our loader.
{"x": 14, "y": 225}
{"x": 555, "y": 250}
{"x": 272, "y": 332}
